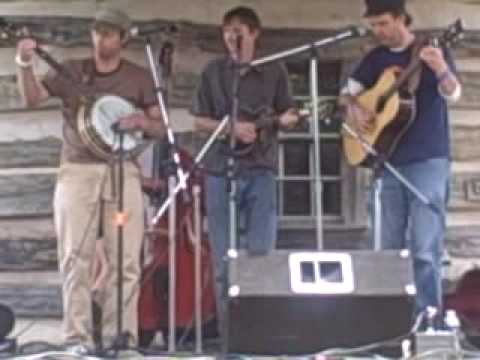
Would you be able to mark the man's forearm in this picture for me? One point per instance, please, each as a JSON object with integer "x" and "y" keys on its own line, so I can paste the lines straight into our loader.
{"x": 206, "y": 124}
{"x": 155, "y": 129}
{"x": 450, "y": 86}
{"x": 32, "y": 92}
{"x": 154, "y": 126}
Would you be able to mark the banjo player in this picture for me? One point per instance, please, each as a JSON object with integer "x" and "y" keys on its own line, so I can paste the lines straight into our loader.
{"x": 86, "y": 188}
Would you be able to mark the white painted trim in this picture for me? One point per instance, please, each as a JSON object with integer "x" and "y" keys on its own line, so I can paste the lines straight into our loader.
{"x": 28, "y": 171}
{"x": 465, "y": 167}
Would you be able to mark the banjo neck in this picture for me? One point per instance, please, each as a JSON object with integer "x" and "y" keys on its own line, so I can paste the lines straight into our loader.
{"x": 54, "y": 64}
{"x": 83, "y": 89}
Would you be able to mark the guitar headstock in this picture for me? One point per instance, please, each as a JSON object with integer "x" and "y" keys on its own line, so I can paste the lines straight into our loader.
{"x": 452, "y": 34}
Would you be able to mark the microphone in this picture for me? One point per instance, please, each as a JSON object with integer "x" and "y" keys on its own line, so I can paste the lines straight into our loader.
{"x": 238, "y": 43}
{"x": 165, "y": 57}
{"x": 138, "y": 31}
{"x": 238, "y": 46}
{"x": 357, "y": 30}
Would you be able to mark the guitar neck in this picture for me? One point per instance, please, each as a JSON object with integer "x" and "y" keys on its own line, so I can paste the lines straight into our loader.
{"x": 449, "y": 37}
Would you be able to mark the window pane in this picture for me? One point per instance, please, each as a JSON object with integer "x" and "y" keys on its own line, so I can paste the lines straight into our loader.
{"x": 328, "y": 77}
{"x": 331, "y": 153}
{"x": 298, "y": 75}
{"x": 332, "y": 199}
{"x": 296, "y": 158}
{"x": 296, "y": 198}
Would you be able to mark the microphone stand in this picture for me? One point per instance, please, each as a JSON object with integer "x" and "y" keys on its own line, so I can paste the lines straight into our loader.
{"x": 316, "y": 146}
{"x": 315, "y": 130}
{"x": 163, "y": 108}
{"x": 121, "y": 341}
{"x": 231, "y": 189}
{"x": 180, "y": 177}
{"x": 380, "y": 164}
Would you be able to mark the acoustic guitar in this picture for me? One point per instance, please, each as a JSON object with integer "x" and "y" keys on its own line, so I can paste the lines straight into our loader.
{"x": 393, "y": 107}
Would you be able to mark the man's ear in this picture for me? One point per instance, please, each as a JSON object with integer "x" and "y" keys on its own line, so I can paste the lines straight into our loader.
{"x": 125, "y": 39}
{"x": 402, "y": 18}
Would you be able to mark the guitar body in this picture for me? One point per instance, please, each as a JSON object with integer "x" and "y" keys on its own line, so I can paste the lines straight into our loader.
{"x": 389, "y": 125}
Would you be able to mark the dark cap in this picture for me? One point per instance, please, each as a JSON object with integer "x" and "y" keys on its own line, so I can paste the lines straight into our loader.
{"x": 379, "y": 7}
{"x": 113, "y": 17}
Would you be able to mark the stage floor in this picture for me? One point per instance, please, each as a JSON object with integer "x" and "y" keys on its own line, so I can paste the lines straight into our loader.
{"x": 30, "y": 330}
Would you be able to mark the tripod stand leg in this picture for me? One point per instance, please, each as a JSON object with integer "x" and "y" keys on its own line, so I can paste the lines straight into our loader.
{"x": 198, "y": 277}
{"x": 377, "y": 214}
{"x": 171, "y": 269}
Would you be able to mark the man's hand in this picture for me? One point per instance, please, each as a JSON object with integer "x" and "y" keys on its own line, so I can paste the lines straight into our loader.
{"x": 433, "y": 57}
{"x": 134, "y": 121}
{"x": 245, "y": 132}
{"x": 26, "y": 49}
{"x": 362, "y": 118}
{"x": 152, "y": 185}
{"x": 288, "y": 119}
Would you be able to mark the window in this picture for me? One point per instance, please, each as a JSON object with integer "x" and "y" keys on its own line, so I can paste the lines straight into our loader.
{"x": 296, "y": 192}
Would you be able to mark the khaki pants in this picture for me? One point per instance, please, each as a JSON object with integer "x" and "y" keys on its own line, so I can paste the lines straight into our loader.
{"x": 78, "y": 192}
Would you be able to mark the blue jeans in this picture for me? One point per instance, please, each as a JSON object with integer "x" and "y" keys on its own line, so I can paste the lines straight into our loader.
{"x": 257, "y": 214}
{"x": 408, "y": 223}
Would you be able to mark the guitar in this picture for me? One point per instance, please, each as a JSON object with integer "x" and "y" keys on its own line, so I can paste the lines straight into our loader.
{"x": 266, "y": 124}
{"x": 394, "y": 109}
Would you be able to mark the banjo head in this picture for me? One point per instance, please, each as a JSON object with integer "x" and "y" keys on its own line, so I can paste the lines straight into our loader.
{"x": 96, "y": 127}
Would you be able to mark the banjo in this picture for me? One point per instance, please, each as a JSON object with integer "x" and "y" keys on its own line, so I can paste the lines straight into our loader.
{"x": 97, "y": 123}
{"x": 97, "y": 116}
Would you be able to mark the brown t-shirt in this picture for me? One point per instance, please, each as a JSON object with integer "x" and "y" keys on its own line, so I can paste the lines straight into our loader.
{"x": 129, "y": 81}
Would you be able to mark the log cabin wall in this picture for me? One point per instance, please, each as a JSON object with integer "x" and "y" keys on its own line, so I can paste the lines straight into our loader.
{"x": 30, "y": 139}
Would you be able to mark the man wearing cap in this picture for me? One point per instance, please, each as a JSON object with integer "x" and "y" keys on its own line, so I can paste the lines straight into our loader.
{"x": 422, "y": 155}
{"x": 86, "y": 190}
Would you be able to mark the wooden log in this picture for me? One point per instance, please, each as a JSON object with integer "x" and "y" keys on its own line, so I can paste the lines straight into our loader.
{"x": 21, "y": 154}
{"x": 26, "y": 195}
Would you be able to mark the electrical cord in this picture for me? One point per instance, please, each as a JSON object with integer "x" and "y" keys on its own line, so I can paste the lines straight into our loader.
{"x": 376, "y": 345}
{"x": 25, "y": 329}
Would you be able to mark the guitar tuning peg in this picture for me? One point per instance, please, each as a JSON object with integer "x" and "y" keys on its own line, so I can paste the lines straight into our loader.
{"x": 435, "y": 43}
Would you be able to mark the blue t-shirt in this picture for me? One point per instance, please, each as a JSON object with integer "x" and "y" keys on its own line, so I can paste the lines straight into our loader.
{"x": 428, "y": 136}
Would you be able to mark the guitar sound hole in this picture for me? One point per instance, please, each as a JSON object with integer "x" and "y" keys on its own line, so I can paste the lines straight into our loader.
{"x": 381, "y": 104}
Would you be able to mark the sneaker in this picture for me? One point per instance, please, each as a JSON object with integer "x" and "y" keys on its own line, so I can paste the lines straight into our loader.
{"x": 78, "y": 350}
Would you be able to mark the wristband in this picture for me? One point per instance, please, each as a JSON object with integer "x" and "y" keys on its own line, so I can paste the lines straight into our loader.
{"x": 22, "y": 63}
{"x": 445, "y": 74}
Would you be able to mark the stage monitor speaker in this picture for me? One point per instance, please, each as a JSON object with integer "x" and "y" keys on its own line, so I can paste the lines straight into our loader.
{"x": 7, "y": 321}
{"x": 305, "y": 302}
